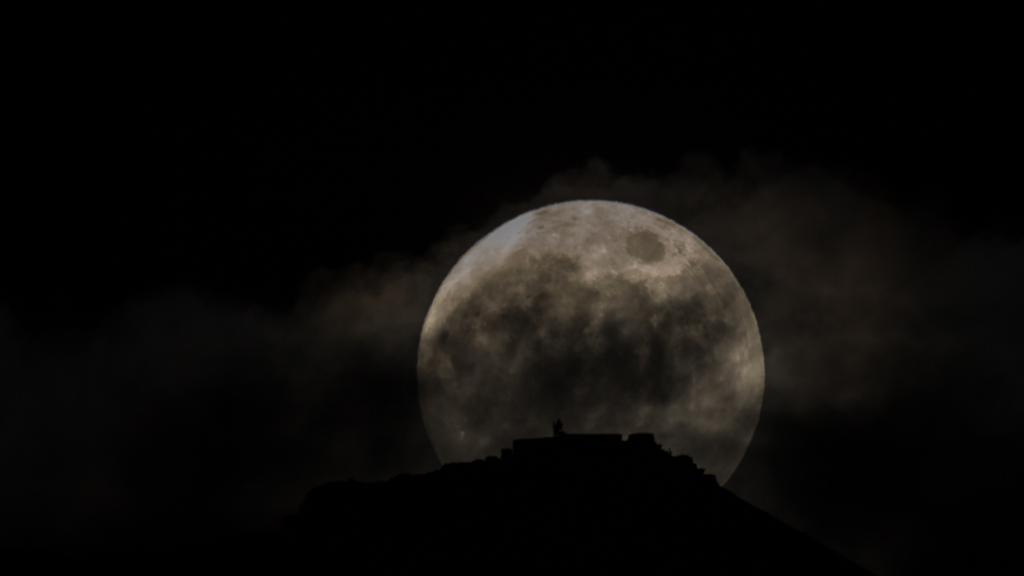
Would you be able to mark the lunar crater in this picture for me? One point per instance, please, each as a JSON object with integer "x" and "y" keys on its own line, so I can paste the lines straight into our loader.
{"x": 645, "y": 246}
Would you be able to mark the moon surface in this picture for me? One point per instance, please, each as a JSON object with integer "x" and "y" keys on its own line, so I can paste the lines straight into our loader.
{"x": 606, "y": 315}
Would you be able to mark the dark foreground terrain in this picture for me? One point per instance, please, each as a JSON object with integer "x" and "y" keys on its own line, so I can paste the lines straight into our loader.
{"x": 573, "y": 503}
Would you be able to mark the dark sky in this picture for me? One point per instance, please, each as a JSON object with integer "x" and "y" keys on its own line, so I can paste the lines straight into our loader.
{"x": 221, "y": 233}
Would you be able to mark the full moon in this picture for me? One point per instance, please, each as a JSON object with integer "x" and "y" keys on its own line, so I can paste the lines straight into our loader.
{"x": 605, "y": 315}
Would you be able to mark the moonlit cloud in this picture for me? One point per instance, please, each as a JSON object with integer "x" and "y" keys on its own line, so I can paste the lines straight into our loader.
{"x": 892, "y": 363}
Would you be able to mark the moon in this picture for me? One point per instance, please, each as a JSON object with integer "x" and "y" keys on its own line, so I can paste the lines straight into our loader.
{"x": 608, "y": 316}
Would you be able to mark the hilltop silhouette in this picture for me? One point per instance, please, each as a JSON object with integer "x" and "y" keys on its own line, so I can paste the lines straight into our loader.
{"x": 571, "y": 502}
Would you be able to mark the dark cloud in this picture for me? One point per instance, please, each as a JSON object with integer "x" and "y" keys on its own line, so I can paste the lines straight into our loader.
{"x": 182, "y": 417}
{"x": 890, "y": 428}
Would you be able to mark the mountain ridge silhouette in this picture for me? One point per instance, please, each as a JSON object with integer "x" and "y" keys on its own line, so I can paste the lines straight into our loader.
{"x": 568, "y": 502}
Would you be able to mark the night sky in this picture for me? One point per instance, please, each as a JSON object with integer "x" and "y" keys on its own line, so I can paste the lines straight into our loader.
{"x": 221, "y": 233}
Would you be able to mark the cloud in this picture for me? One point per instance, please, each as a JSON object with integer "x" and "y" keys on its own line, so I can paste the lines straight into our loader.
{"x": 182, "y": 417}
{"x": 889, "y": 428}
